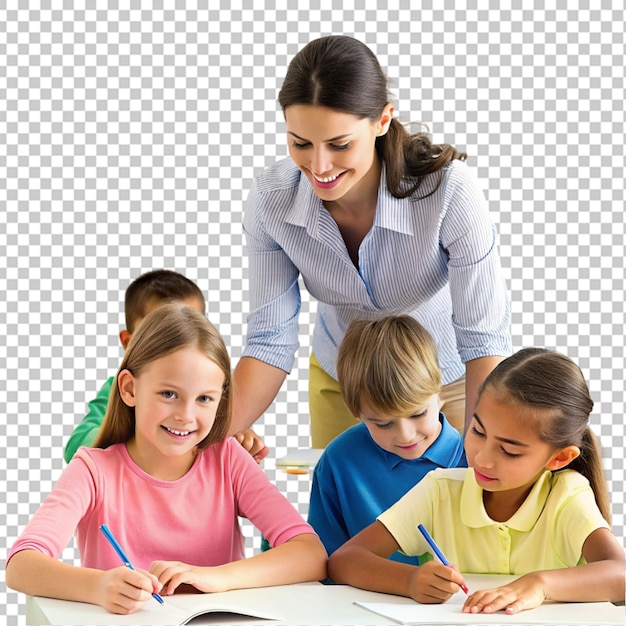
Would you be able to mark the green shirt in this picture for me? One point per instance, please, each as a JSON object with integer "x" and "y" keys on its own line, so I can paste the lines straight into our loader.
{"x": 87, "y": 431}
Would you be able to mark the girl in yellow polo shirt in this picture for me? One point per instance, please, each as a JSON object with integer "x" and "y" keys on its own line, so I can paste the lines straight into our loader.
{"x": 533, "y": 503}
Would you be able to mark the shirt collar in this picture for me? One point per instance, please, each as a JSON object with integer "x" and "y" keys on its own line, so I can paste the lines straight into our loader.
{"x": 474, "y": 515}
{"x": 392, "y": 213}
{"x": 307, "y": 209}
{"x": 448, "y": 445}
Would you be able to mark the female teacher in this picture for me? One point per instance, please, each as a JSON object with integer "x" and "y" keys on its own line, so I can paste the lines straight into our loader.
{"x": 377, "y": 222}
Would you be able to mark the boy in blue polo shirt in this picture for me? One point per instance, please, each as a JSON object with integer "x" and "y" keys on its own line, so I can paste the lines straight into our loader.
{"x": 390, "y": 379}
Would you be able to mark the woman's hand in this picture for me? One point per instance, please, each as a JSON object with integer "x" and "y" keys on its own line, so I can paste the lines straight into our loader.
{"x": 434, "y": 583}
{"x": 172, "y": 574}
{"x": 522, "y": 594}
{"x": 124, "y": 591}
{"x": 252, "y": 443}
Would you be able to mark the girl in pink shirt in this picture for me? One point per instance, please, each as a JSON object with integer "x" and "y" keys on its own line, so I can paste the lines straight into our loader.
{"x": 168, "y": 483}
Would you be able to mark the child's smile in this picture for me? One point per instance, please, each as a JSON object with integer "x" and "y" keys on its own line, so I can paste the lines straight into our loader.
{"x": 481, "y": 478}
{"x": 175, "y": 398}
{"x": 177, "y": 433}
{"x": 407, "y": 436}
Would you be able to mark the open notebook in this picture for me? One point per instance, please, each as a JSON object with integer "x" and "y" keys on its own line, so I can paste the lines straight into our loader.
{"x": 178, "y": 609}
{"x": 406, "y": 611}
{"x": 202, "y": 604}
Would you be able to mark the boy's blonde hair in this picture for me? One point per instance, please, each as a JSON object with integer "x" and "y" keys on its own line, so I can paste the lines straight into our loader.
{"x": 168, "y": 328}
{"x": 389, "y": 364}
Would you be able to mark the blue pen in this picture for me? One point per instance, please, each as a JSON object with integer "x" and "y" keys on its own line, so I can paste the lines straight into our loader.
{"x": 437, "y": 550}
{"x": 116, "y": 546}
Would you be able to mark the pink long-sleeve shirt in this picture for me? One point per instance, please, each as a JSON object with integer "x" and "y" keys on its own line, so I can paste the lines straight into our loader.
{"x": 192, "y": 519}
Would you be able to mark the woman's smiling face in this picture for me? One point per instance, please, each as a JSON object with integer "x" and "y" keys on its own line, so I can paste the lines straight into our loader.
{"x": 335, "y": 150}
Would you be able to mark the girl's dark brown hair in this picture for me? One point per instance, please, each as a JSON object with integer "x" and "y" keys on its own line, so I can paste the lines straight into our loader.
{"x": 342, "y": 73}
{"x": 552, "y": 387}
{"x": 167, "y": 329}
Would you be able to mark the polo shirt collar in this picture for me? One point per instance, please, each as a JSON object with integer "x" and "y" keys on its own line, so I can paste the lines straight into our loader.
{"x": 447, "y": 445}
{"x": 474, "y": 515}
{"x": 307, "y": 209}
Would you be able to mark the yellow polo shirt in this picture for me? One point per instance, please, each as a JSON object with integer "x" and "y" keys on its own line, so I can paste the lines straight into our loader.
{"x": 546, "y": 532}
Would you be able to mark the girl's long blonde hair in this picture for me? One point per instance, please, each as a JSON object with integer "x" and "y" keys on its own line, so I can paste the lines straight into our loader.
{"x": 168, "y": 328}
{"x": 554, "y": 390}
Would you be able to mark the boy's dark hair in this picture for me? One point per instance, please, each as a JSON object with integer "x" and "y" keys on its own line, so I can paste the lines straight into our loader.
{"x": 157, "y": 286}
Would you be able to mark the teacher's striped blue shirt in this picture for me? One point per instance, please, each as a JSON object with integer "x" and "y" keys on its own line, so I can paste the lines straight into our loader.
{"x": 434, "y": 258}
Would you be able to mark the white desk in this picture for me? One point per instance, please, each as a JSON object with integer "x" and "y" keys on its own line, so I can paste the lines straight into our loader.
{"x": 314, "y": 604}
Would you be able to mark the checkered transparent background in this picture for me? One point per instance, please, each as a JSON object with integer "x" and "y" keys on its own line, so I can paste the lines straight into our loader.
{"x": 129, "y": 139}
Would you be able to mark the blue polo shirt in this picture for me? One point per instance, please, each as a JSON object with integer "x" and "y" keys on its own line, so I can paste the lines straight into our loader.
{"x": 355, "y": 480}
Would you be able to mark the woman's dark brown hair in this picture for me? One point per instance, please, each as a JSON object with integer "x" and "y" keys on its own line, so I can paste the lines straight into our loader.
{"x": 342, "y": 73}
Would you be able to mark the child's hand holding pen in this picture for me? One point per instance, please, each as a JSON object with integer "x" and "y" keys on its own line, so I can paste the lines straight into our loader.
{"x": 434, "y": 583}
{"x": 448, "y": 575}
{"x": 125, "y": 588}
{"x": 125, "y": 591}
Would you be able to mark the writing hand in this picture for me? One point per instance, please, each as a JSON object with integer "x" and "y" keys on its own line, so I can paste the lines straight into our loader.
{"x": 124, "y": 591}
{"x": 434, "y": 583}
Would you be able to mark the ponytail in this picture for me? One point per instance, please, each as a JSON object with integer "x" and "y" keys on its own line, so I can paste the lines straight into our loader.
{"x": 409, "y": 158}
{"x": 343, "y": 74}
{"x": 589, "y": 464}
